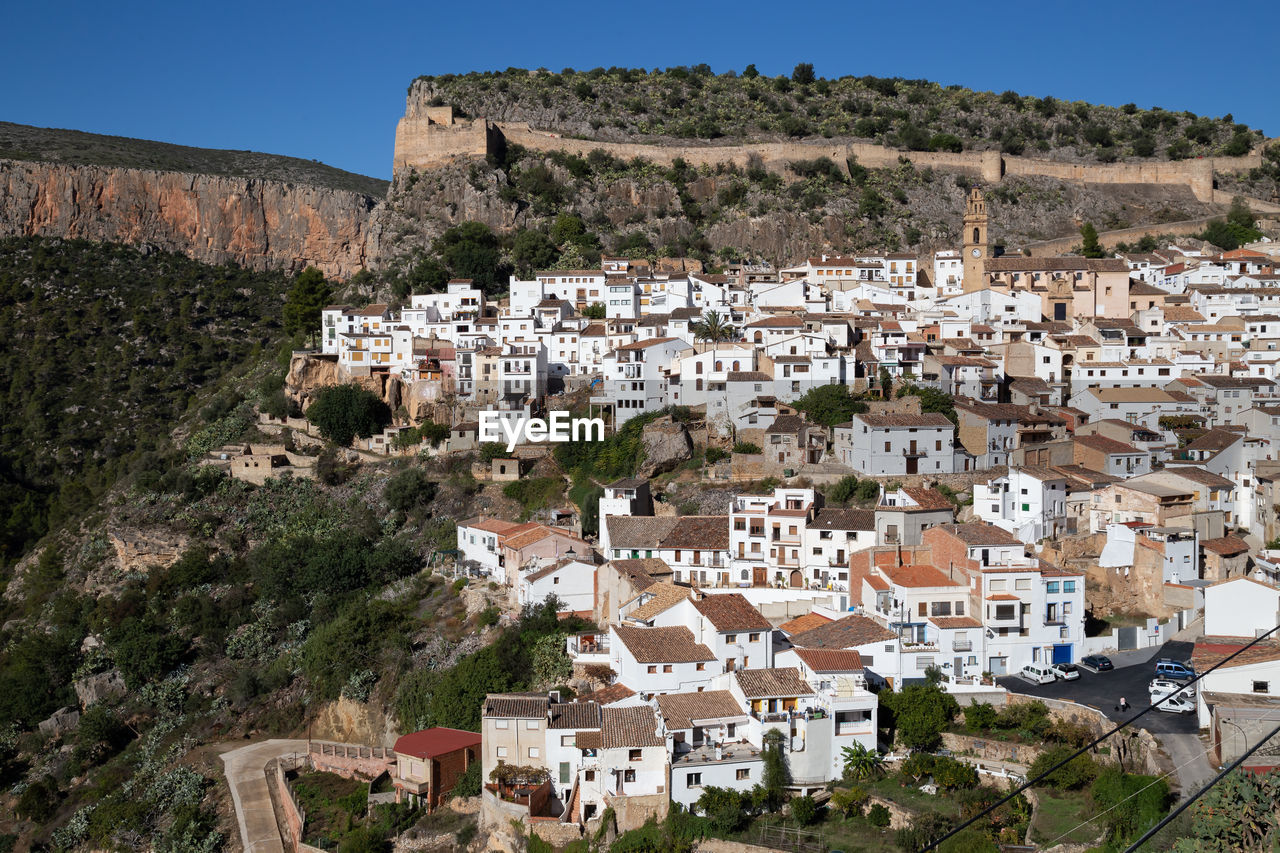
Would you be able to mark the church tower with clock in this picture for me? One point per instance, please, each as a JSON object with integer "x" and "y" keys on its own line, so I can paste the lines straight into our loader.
{"x": 976, "y": 245}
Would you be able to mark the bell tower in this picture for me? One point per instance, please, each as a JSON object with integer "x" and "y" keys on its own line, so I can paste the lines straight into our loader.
{"x": 976, "y": 248}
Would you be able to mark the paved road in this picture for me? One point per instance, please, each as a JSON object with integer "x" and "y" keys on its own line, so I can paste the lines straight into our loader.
{"x": 1178, "y": 733}
{"x": 1103, "y": 690}
{"x": 247, "y": 779}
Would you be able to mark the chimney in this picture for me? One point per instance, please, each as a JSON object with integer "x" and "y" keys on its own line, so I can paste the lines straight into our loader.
{"x": 719, "y": 752}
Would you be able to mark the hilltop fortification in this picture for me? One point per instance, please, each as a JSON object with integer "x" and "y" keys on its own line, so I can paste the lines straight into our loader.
{"x": 431, "y": 136}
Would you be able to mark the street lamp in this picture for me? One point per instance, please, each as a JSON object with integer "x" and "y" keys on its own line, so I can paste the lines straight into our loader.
{"x": 1240, "y": 729}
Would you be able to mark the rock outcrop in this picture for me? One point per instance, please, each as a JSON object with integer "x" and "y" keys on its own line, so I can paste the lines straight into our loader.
{"x": 665, "y": 445}
{"x": 261, "y": 224}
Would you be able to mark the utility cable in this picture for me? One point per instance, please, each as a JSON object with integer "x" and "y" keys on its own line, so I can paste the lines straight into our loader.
{"x": 1198, "y": 794}
{"x": 1118, "y": 727}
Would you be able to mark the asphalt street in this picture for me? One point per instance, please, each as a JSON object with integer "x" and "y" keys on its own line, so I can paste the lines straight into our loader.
{"x": 1103, "y": 690}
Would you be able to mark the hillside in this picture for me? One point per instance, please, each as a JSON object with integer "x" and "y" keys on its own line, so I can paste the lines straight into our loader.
{"x": 681, "y": 104}
{"x": 76, "y": 148}
{"x": 104, "y": 349}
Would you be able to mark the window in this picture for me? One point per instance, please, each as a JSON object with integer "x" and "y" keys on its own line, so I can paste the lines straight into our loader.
{"x": 754, "y": 638}
{"x": 1261, "y": 687}
{"x": 628, "y": 775}
{"x": 700, "y": 666}
{"x": 564, "y": 773}
{"x": 693, "y": 780}
{"x": 744, "y": 773}
{"x": 1022, "y": 583}
{"x": 1068, "y": 586}
{"x": 567, "y": 740}
{"x": 532, "y": 725}
{"x": 534, "y": 752}
{"x": 731, "y": 638}
{"x": 923, "y": 662}
{"x": 1051, "y": 587}
{"x": 666, "y": 667}
{"x": 651, "y": 669}
{"x": 502, "y": 752}
{"x": 501, "y": 724}
{"x": 633, "y": 755}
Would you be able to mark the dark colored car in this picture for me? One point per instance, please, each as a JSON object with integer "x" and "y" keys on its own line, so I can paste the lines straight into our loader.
{"x": 1097, "y": 663}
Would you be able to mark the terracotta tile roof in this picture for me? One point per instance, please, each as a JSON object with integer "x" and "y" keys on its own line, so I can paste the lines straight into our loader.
{"x": 700, "y": 532}
{"x": 1215, "y": 439}
{"x": 662, "y": 596}
{"x": 644, "y": 569}
{"x": 607, "y": 695}
{"x": 731, "y": 612}
{"x": 490, "y": 525}
{"x": 1016, "y": 264}
{"x": 843, "y": 634}
{"x": 684, "y": 710}
{"x": 775, "y": 323}
{"x": 926, "y": 500}
{"x": 519, "y": 705}
{"x": 1104, "y": 444}
{"x": 639, "y": 532}
{"x": 981, "y": 533}
{"x": 1182, "y": 314}
{"x": 948, "y": 623}
{"x": 928, "y": 419}
{"x": 588, "y": 740}
{"x": 629, "y": 728}
{"x": 1227, "y": 546}
{"x": 645, "y": 344}
{"x": 777, "y": 682}
{"x": 785, "y": 424}
{"x": 1204, "y": 477}
{"x": 1212, "y": 650}
{"x": 530, "y": 537}
{"x": 547, "y": 570}
{"x": 574, "y": 715}
{"x": 1086, "y": 476}
{"x": 831, "y": 660}
{"x": 915, "y": 576}
{"x": 843, "y": 519}
{"x": 1003, "y": 596}
{"x": 433, "y": 742}
{"x": 800, "y": 624}
{"x": 674, "y": 644}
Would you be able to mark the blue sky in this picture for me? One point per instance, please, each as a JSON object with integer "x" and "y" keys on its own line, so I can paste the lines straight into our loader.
{"x": 327, "y": 80}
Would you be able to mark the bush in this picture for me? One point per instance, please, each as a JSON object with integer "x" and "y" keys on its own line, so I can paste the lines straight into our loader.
{"x": 924, "y": 829}
{"x": 343, "y": 412}
{"x": 715, "y": 454}
{"x": 980, "y": 717}
{"x": 804, "y": 810}
{"x": 39, "y": 801}
{"x": 746, "y": 447}
{"x": 920, "y": 712}
{"x": 843, "y": 490}
{"x": 878, "y": 815}
{"x": 1071, "y": 776}
{"x": 409, "y": 490}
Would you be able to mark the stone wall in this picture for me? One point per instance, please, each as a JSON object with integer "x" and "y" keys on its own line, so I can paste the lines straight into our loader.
{"x": 424, "y": 140}
{"x": 632, "y": 812}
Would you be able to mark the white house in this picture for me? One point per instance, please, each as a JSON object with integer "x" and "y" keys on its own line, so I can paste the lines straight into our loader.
{"x": 1029, "y": 501}
{"x": 897, "y": 444}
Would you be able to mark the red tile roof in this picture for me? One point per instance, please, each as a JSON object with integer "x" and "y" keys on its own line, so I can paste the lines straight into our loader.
{"x": 831, "y": 660}
{"x": 434, "y": 742}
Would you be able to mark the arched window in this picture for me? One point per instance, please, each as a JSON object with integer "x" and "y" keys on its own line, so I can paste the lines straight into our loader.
{"x": 746, "y": 575}
{"x": 737, "y": 365}
{"x": 759, "y": 337}
{"x": 719, "y": 366}
{"x": 977, "y": 235}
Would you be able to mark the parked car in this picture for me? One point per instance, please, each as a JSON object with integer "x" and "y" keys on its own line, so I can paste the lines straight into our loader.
{"x": 1177, "y": 670}
{"x": 1097, "y": 663}
{"x": 1038, "y": 673}
{"x": 1180, "y": 704}
{"x": 1065, "y": 671}
{"x": 1165, "y": 686}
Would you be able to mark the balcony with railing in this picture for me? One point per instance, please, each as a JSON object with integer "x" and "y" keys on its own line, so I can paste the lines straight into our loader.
{"x": 588, "y": 648}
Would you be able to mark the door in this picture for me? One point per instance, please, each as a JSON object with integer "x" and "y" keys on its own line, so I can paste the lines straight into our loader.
{"x": 1062, "y": 653}
{"x": 1059, "y": 310}
{"x": 913, "y": 465}
{"x": 957, "y": 666}
{"x": 998, "y": 666}
{"x": 757, "y": 576}
{"x": 797, "y": 580}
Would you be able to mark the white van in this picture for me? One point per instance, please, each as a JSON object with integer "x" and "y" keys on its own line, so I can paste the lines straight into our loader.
{"x": 1038, "y": 673}
{"x": 1177, "y": 704}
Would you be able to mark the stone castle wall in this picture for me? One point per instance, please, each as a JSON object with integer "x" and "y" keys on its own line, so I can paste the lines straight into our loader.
{"x": 430, "y": 136}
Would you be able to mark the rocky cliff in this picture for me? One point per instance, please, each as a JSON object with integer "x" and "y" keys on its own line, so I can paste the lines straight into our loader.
{"x": 261, "y": 224}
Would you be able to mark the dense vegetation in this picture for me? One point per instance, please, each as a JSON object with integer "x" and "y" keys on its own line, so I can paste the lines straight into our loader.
{"x": 104, "y": 348}
{"x": 694, "y": 103}
{"x": 44, "y": 144}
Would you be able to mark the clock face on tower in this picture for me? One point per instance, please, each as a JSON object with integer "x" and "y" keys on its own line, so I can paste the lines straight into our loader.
{"x": 977, "y": 253}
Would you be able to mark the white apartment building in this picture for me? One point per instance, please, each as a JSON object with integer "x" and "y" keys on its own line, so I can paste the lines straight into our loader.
{"x": 1029, "y": 501}
{"x": 897, "y": 444}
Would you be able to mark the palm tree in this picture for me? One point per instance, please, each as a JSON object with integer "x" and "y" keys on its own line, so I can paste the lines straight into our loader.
{"x": 715, "y": 327}
{"x": 861, "y": 763}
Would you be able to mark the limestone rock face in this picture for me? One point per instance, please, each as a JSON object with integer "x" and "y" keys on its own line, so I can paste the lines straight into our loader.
{"x": 103, "y": 685}
{"x": 61, "y": 722}
{"x": 348, "y": 721}
{"x": 666, "y": 446}
{"x": 261, "y": 224}
{"x": 308, "y": 374}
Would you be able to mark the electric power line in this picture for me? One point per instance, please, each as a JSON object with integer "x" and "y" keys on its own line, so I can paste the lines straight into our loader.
{"x": 933, "y": 845}
{"x": 1198, "y": 794}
